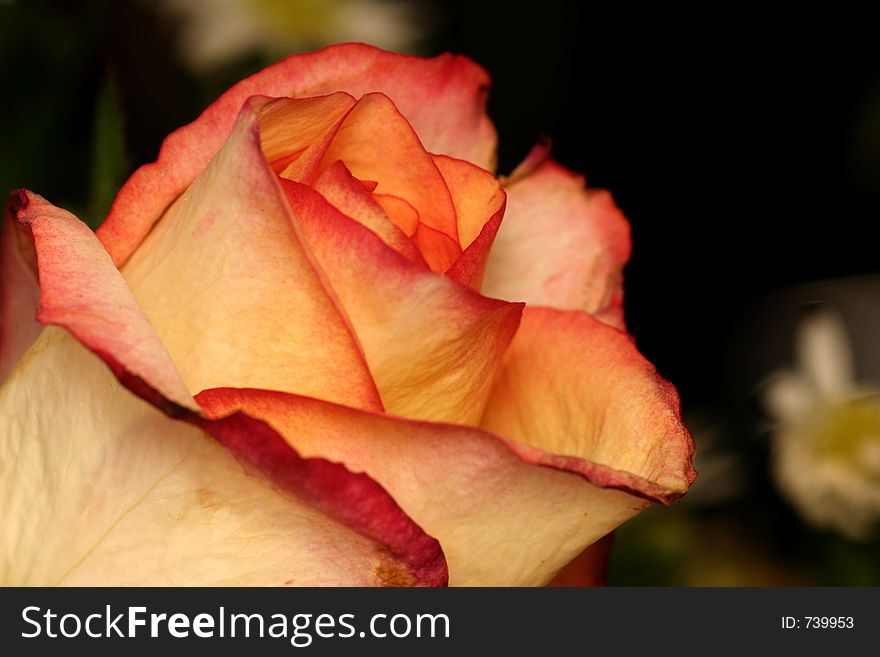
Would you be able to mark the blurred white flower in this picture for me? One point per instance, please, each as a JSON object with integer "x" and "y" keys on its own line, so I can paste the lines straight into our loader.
{"x": 826, "y": 448}
{"x": 213, "y": 33}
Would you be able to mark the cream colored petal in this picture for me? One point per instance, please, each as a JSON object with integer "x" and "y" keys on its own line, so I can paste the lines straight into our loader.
{"x": 100, "y": 488}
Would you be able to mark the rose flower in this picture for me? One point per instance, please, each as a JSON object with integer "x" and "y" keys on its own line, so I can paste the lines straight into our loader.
{"x": 317, "y": 342}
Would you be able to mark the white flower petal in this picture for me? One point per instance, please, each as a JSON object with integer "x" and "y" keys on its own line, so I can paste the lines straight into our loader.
{"x": 824, "y": 353}
{"x": 788, "y": 396}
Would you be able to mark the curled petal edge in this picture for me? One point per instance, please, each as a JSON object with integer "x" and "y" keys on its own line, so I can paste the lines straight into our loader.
{"x": 529, "y": 483}
{"x": 644, "y": 450}
{"x": 353, "y": 499}
{"x": 19, "y": 291}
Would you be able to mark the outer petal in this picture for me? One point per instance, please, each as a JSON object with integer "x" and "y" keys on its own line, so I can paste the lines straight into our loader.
{"x": 560, "y": 245}
{"x": 99, "y": 487}
{"x": 443, "y": 98}
{"x": 574, "y": 388}
{"x": 234, "y": 293}
{"x": 80, "y": 288}
{"x": 19, "y": 290}
{"x": 502, "y": 521}
{"x": 431, "y": 344}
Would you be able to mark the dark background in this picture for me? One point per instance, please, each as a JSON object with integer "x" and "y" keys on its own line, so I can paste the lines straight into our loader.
{"x": 743, "y": 144}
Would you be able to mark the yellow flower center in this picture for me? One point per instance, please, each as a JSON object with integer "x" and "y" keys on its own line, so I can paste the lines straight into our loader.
{"x": 849, "y": 431}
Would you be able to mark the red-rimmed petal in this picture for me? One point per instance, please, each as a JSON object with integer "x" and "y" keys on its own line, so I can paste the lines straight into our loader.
{"x": 576, "y": 393}
{"x": 502, "y": 520}
{"x": 19, "y": 289}
{"x": 234, "y": 292}
{"x": 432, "y": 345}
{"x": 101, "y": 488}
{"x": 443, "y": 98}
{"x": 80, "y": 288}
{"x": 560, "y": 245}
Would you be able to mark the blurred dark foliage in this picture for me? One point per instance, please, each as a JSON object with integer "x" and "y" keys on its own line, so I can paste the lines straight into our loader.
{"x": 743, "y": 143}
{"x": 59, "y": 60}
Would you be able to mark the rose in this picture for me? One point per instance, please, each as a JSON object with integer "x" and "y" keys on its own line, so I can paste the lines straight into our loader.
{"x": 284, "y": 371}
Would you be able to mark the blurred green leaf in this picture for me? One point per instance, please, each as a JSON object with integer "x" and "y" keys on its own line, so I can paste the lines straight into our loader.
{"x": 110, "y": 161}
